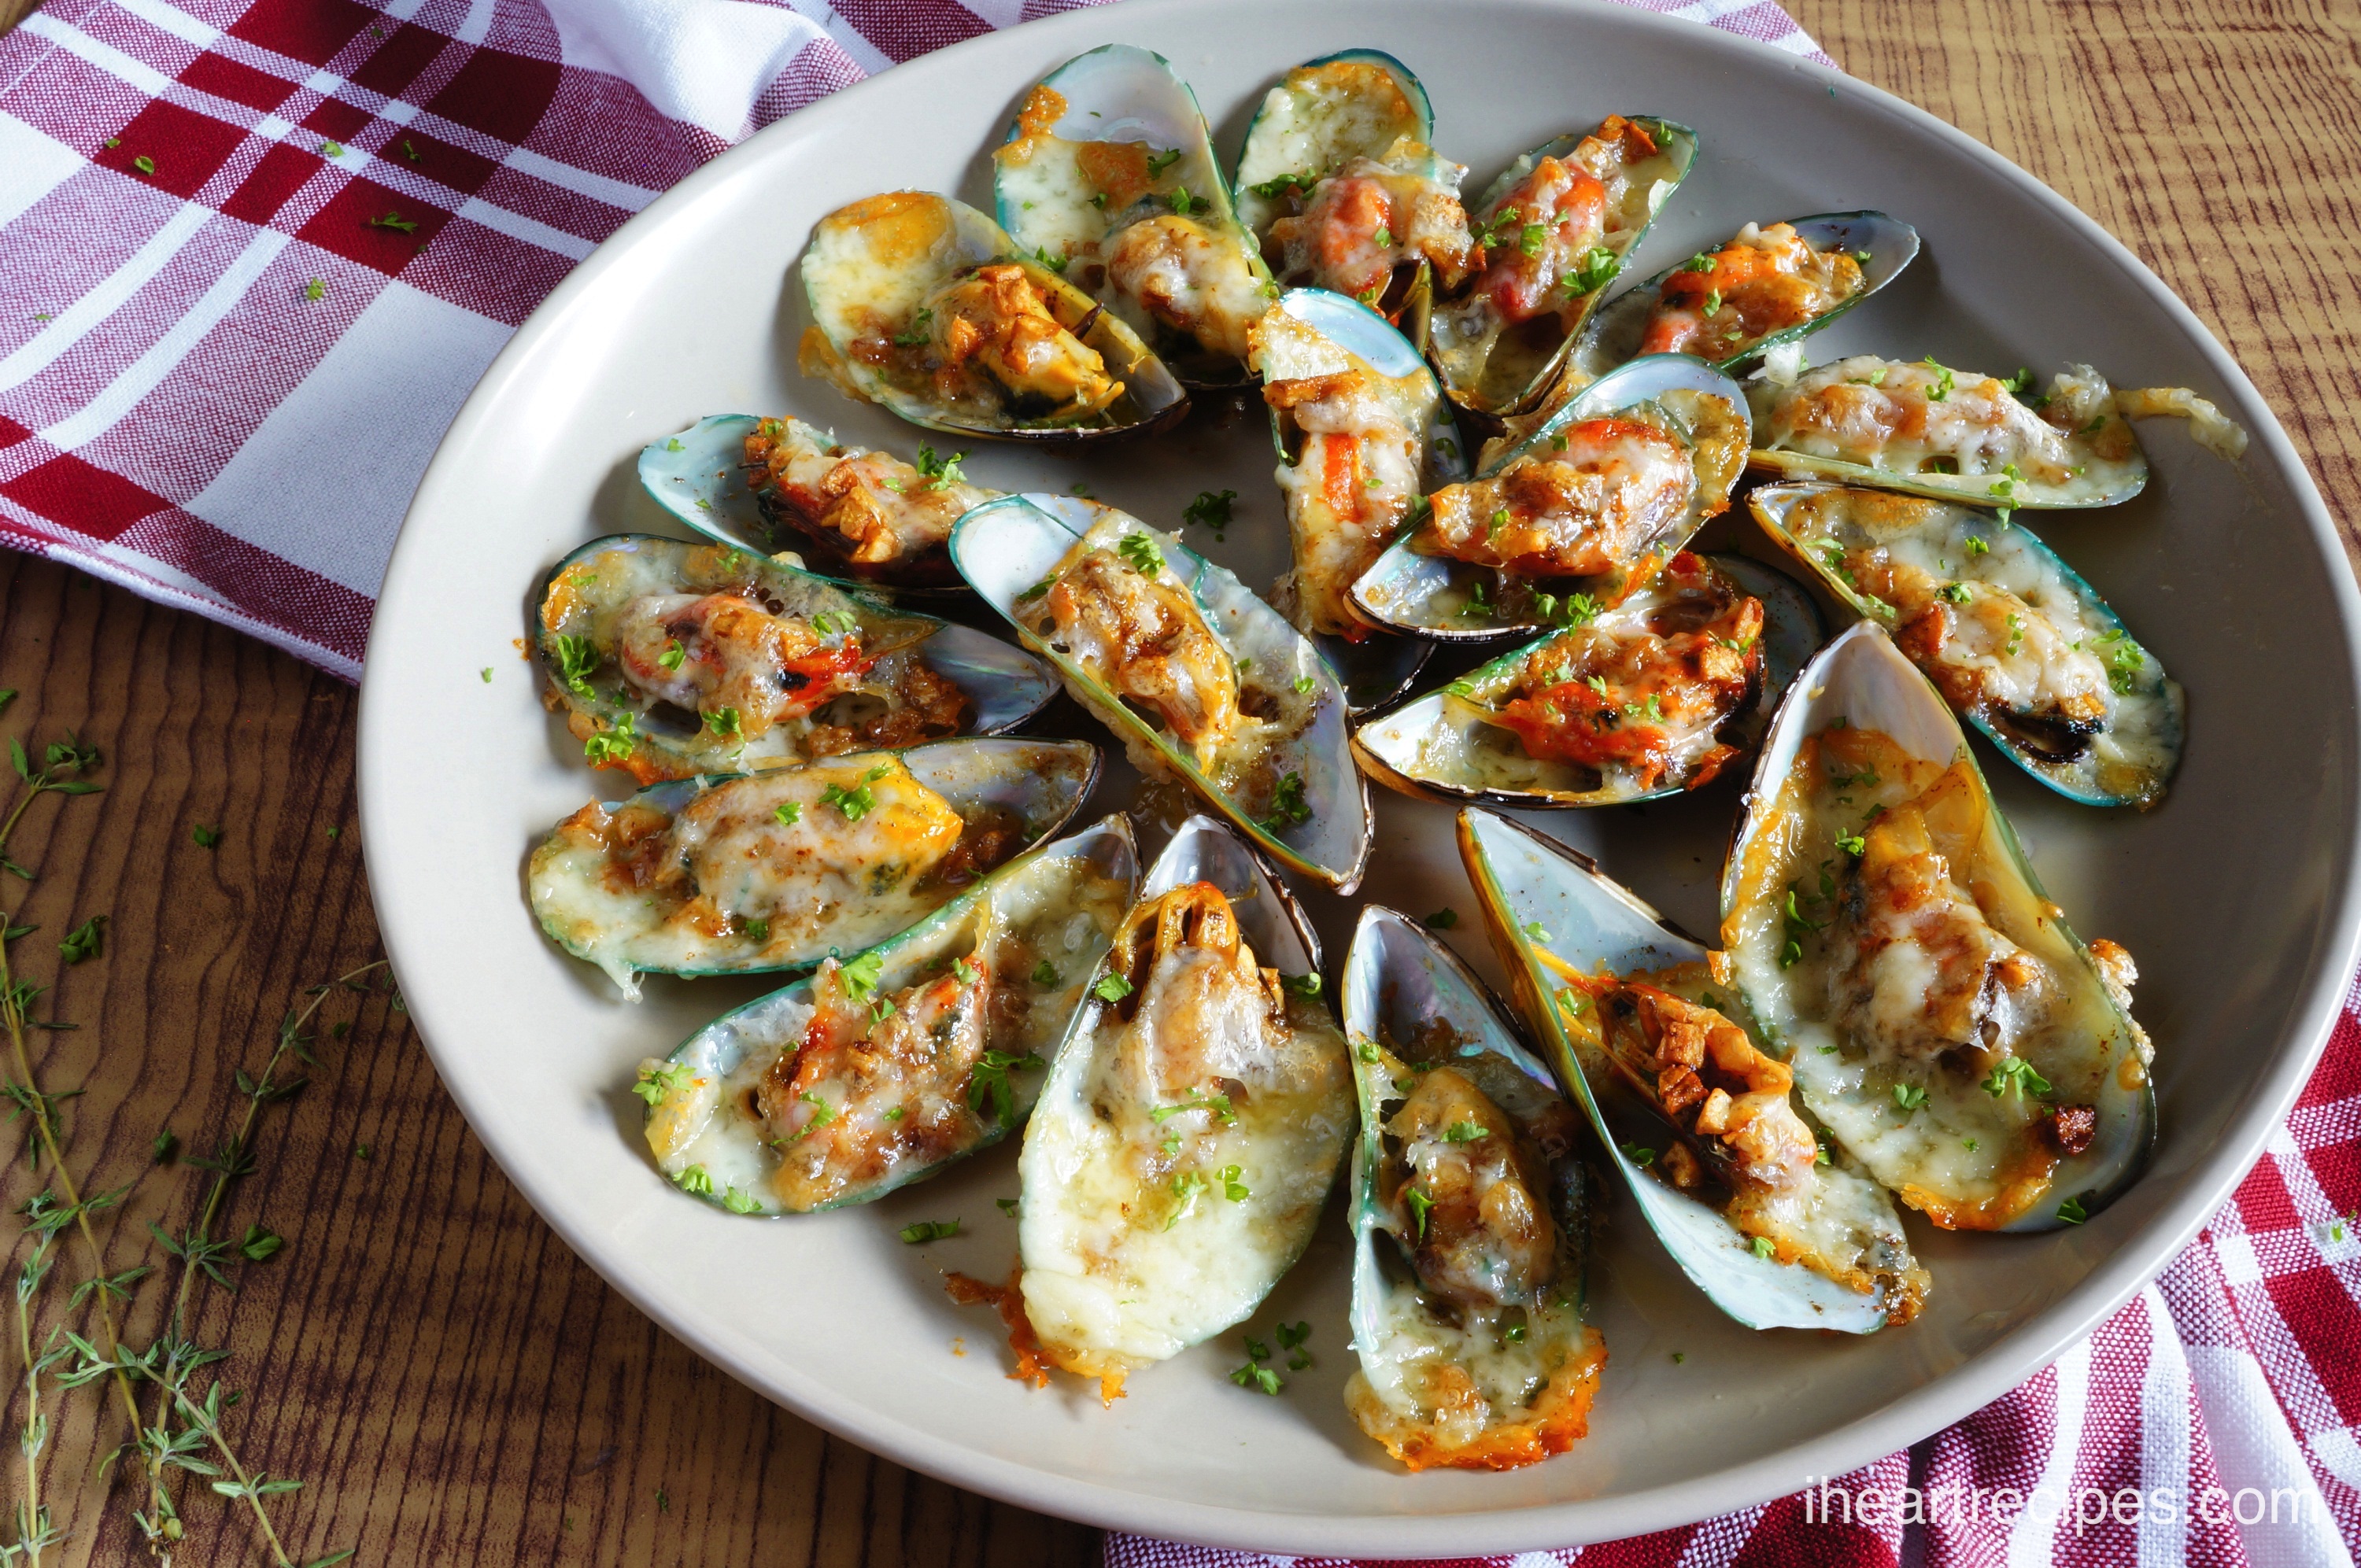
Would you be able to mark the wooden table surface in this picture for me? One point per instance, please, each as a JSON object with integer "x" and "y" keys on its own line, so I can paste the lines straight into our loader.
{"x": 453, "y": 1386}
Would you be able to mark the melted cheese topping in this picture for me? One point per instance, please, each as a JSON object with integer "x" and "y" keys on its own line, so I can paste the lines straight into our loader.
{"x": 1349, "y": 489}
{"x": 2003, "y": 633}
{"x": 1372, "y": 216}
{"x": 880, "y": 508}
{"x": 1195, "y": 280}
{"x": 1925, "y": 419}
{"x": 727, "y": 884}
{"x": 1763, "y": 281}
{"x": 1599, "y": 197}
{"x": 722, "y": 665}
{"x": 865, "y": 1078}
{"x": 1587, "y": 508}
{"x": 1919, "y": 989}
{"x": 1321, "y": 117}
{"x": 1180, "y": 1173}
{"x": 1479, "y": 1359}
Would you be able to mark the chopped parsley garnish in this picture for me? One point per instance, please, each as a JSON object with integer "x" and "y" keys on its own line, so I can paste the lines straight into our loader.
{"x": 1499, "y": 520}
{"x": 1592, "y": 270}
{"x": 1419, "y": 1204}
{"x": 724, "y": 722}
{"x": 1037, "y": 590}
{"x": 206, "y": 837}
{"x": 1441, "y": 920}
{"x": 1762, "y": 1247}
{"x": 1054, "y": 263}
{"x": 1384, "y": 239}
{"x": 2124, "y": 660}
{"x": 1532, "y": 237}
{"x": 1307, "y": 986}
{"x": 989, "y": 1084}
{"x": 1700, "y": 262}
{"x": 1210, "y": 510}
{"x": 929, "y": 1231}
{"x": 1286, "y": 805}
{"x": 1304, "y": 684}
{"x": 674, "y": 655}
{"x": 738, "y": 1202}
{"x": 860, "y": 977}
{"x": 1253, "y": 1373}
{"x": 1219, "y": 1104}
{"x": 1234, "y": 1188}
{"x": 1139, "y": 552}
{"x": 1157, "y": 163}
{"x": 756, "y": 930}
{"x": 697, "y": 1179}
{"x": 1638, "y": 1154}
{"x": 1514, "y": 1334}
{"x": 1535, "y": 931}
{"x": 315, "y": 289}
{"x": 1909, "y": 1096}
{"x": 1464, "y": 1132}
{"x": 1957, "y": 593}
{"x": 611, "y": 745}
{"x": 1969, "y": 1144}
{"x": 662, "y": 1080}
{"x": 1184, "y": 203}
{"x": 1185, "y": 1188}
{"x": 941, "y": 472}
{"x": 1291, "y": 1338}
{"x": 1007, "y": 1206}
{"x": 2073, "y": 1212}
{"x": 395, "y": 221}
{"x": 965, "y": 972}
{"x": 1045, "y": 973}
{"x": 1713, "y": 302}
{"x": 2015, "y": 1073}
{"x": 1853, "y": 844}
{"x": 919, "y": 332}
{"x": 145, "y": 164}
{"x": 1978, "y": 546}
{"x": 1944, "y": 382}
{"x": 1367, "y": 1051}
{"x": 788, "y": 813}
{"x": 1112, "y": 988}
{"x": 577, "y": 658}
{"x": 1286, "y": 184}
{"x": 860, "y": 800}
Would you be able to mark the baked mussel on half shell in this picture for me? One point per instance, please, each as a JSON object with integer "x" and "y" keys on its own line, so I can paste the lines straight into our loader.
{"x": 751, "y": 873}
{"x": 1770, "y": 285}
{"x": 1340, "y": 188}
{"x": 884, "y": 1066}
{"x": 2015, "y": 641}
{"x": 1552, "y": 232}
{"x": 1578, "y": 513}
{"x": 858, "y": 516}
{"x": 1471, "y": 1218}
{"x": 671, "y": 658}
{"x": 922, "y": 305}
{"x": 1776, "y": 1228}
{"x": 1108, "y": 177}
{"x": 1667, "y": 691}
{"x": 1363, "y": 432}
{"x": 1202, "y": 681}
{"x": 1192, "y": 1122}
{"x": 1959, "y": 435}
{"x": 1895, "y": 947}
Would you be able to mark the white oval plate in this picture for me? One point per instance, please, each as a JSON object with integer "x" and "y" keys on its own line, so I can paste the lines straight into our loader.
{"x": 2237, "y": 895}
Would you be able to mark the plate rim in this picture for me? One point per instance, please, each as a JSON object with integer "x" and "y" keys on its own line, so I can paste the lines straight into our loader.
{"x": 1973, "y": 1383}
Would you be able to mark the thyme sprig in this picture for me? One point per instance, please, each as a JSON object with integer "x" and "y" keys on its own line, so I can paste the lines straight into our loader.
{"x": 174, "y": 1358}
{"x": 64, "y": 766}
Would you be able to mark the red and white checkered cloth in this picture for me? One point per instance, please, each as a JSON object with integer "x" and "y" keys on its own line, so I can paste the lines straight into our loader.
{"x": 232, "y": 228}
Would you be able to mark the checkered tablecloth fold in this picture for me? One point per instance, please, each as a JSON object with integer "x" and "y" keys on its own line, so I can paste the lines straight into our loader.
{"x": 239, "y": 237}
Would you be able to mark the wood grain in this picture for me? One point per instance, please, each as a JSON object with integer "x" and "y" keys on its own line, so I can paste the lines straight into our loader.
{"x": 453, "y": 1386}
